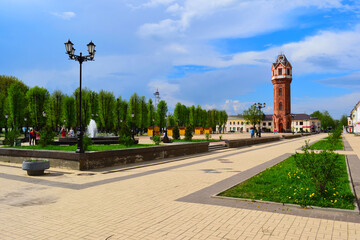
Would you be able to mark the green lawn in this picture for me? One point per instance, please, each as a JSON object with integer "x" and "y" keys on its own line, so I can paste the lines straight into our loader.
{"x": 325, "y": 145}
{"x": 91, "y": 147}
{"x": 284, "y": 183}
{"x": 195, "y": 140}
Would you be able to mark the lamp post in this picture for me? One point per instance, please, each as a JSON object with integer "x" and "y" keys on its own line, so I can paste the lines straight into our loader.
{"x": 260, "y": 106}
{"x": 44, "y": 115}
{"x": 166, "y": 138}
{"x": 80, "y": 58}
{"x": 6, "y": 118}
{"x": 26, "y": 125}
{"x": 132, "y": 126}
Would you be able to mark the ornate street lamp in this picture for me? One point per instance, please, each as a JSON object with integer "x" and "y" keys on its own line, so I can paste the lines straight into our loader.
{"x": 6, "y": 118}
{"x": 132, "y": 126}
{"x": 25, "y": 119}
{"x": 70, "y": 50}
{"x": 166, "y": 138}
{"x": 260, "y": 106}
{"x": 153, "y": 123}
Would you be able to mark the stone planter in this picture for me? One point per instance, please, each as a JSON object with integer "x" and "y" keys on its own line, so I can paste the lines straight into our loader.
{"x": 35, "y": 167}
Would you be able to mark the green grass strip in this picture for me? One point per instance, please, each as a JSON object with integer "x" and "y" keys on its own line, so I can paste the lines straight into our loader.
{"x": 91, "y": 147}
{"x": 285, "y": 183}
{"x": 325, "y": 145}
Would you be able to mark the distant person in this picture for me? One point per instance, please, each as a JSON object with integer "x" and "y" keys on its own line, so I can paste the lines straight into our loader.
{"x": 252, "y": 131}
{"x": 63, "y": 133}
{"x": 71, "y": 132}
{"x": 31, "y": 136}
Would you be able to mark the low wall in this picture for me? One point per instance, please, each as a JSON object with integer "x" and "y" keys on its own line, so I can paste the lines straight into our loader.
{"x": 93, "y": 160}
{"x": 250, "y": 141}
{"x": 292, "y": 136}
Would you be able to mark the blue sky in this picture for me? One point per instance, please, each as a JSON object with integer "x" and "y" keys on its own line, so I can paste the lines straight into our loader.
{"x": 213, "y": 53}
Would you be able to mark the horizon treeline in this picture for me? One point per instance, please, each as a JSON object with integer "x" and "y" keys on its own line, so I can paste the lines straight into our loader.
{"x": 36, "y": 107}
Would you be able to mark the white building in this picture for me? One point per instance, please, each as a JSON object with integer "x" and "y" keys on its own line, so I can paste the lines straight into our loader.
{"x": 355, "y": 118}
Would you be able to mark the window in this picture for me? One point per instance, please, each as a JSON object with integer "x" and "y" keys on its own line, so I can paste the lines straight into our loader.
{"x": 238, "y": 123}
{"x": 301, "y": 123}
{"x": 280, "y": 71}
{"x": 280, "y": 106}
{"x": 297, "y": 123}
{"x": 280, "y": 91}
{"x": 230, "y": 123}
{"x": 269, "y": 124}
{"x": 288, "y": 71}
{"x": 264, "y": 124}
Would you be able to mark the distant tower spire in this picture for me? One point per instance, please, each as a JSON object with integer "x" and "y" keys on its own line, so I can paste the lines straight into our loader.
{"x": 157, "y": 98}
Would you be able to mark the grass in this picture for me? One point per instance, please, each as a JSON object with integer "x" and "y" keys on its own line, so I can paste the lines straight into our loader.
{"x": 325, "y": 145}
{"x": 284, "y": 183}
{"x": 195, "y": 140}
{"x": 91, "y": 147}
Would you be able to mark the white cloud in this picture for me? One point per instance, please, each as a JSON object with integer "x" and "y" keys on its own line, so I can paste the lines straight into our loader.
{"x": 64, "y": 15}
{"x": 234, "y": 107}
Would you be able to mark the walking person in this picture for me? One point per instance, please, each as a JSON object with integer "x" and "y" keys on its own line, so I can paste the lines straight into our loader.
{"x": 252, "y": 131}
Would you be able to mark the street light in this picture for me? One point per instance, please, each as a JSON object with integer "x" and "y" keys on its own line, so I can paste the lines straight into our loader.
{"x": 153, "y": 123}
{"x": 166, "y": 138}
{"x": 259, "y": 106}
{"x": 132, "y": 126}
{"x": 25, "y": 119}
{"x": 6, "y": 118}
{"x": 70, "y": 50}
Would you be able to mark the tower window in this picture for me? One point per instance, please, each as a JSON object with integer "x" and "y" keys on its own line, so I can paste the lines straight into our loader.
{"x": 288, "y": 71}
{"x": 280, "y": 106}
{"x": 280, "y": 71}
{"x": 280, "y": 91}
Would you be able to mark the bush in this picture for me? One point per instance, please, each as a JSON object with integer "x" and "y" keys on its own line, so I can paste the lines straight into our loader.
{"x": 188, "y": 133}
{"x": 322, "y": 168}
{"x": 176, "y": 133}
{"x": 10, "y": 137}
{"x": 126, "y": 140}
{"x": 47, "y": 136}
{"x": 220, "y": 137}
{"x": 157, "y": 139}
{"x": 207, "y": 136}
{"x": 86, "y": 142}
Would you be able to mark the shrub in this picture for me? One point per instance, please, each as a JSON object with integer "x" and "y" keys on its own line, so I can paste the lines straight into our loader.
{"x": 176, "y": 133}
{"x": 47, "y": 136}
{"x": 220, "y": 137}
{"x": 322, "y": 168}
{"x": 126, "y": 140}
{"x": 207, "y": 136}
{"x": 10, "y": 137}
{"x": 157, "y": 139}
{"x": 188, "y": 133}
{"x": 86, "y": 142}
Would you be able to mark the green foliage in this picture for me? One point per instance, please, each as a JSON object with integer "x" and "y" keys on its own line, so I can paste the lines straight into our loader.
{"x": 38, "y": 100}
{"x": 85, "y": 106}
{"x": 160, "y": 114}
{"x": 327, "y": 122}
{"x": 16, "y": 105}
{"x": 69, "y": 111}
{"x": 125, "y": 135}
{"x": 126, "y": 140}
{"x": 151, "y": 113}
{"x": 87, "y": 142}
{"x": 47, "y": 136}
{"x": 56, "y": 109}
{"x": 176, "y": 133}
{"x": 207, "y": 136}
{"x": 286, "y": 183}
{"x": 156, "y": 139}
{"x": 91, "y": 147}
{"x": 333, "y": 141}
{"x": 322, "y": 168}
{"x": 220, "y": 137}
{"x": 343, "y": 121}
{"x": 10, "y": 137}
{"x": 106, "y": 107}
{"x": 253, "y": 115}
{"x": 120, "y": 112}
{"x": 188, "y": 133}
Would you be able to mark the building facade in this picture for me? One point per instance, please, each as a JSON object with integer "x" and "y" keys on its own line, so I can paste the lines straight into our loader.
{"x": 355, "y": 118}
{"x": 281, "y": 72}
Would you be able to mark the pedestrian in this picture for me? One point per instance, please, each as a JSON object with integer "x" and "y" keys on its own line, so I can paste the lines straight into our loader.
{"x": 252, "y": 132}
{"x": 71, "y": 132}
{"x": 63, "y": 133}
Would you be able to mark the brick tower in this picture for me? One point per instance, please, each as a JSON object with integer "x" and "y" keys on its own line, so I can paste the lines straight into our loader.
{"x": 281, "y": 79}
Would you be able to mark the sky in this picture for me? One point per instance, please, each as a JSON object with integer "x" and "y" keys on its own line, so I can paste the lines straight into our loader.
{"x": 212, "y": 53}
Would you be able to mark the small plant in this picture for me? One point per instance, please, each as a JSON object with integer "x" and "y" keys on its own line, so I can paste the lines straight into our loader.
{"x": 176, "y": 133}
{"x": 11, "y": 137}
{"x": 47, "y": 136}
{"x": 86, "y": 142}
{"x": 207, "y": 136}
{"x": 157, "y": 139}
{"x": 321, "y": 167}
{"x": 126, "y": 140}
{"x": 220, "y": 137}
{"x": 188, "y": 133}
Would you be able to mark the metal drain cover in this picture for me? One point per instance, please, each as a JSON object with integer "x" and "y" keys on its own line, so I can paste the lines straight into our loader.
{"x": 85, "y": 174}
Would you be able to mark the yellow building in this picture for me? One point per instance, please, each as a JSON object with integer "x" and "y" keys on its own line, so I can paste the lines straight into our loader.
{"x": 170, "y": 131}
{"x": 182, "y": 130}
{"x": 208, "y": 130}
{"x": 199, "y": 130}
{"x": 151, "y": 129}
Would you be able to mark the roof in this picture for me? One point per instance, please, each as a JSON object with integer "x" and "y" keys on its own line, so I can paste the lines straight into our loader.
{"x": 268, "y": 117}
{"x": 281, "y": 58}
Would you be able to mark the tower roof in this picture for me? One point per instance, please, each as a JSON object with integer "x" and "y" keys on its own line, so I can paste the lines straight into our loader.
{"x": 281, "y": 58}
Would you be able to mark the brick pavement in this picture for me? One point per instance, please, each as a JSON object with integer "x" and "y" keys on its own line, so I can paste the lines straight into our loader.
{"x": 142, "y": 203}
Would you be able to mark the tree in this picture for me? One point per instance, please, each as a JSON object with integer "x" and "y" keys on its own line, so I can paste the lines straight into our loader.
{"x": 151, "y": 113}
{"x": 106, "y": 107}
{"x": 178, "y": 114}
{"x": 343, "y": 121}
{"x": 16, "y": 105}
{"x": 192, "y": 115}
{"x": 160, "y": 114}
{"x": 69, "y": 111}
{"x": 56, "y": 109}
{"x": 327, "y": 122}
{"x": 93, "y": 98}
{"x": 38, "y": 100}
{"x": 253, "y": 115}
{"x": 120, "y": 112}
{"x": 222, "y": 119}
{"x": 85, "y": 107}
{"x": 143, "y": 121}
{"x": 133, "y": 108}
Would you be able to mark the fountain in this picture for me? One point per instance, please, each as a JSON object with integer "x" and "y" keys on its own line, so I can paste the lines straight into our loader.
{"x": 91, "y": 130}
